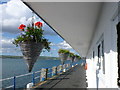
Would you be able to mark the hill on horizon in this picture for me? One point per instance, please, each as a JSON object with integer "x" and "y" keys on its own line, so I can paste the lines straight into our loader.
{"x": 21, "y": 57}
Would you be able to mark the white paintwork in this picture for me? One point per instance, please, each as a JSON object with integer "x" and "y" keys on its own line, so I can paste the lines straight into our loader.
{"x": 29, "y": 85}
{"x": 107, "y": 27}
{"x": 83, "y": 25}
{"x": 71, "y": 0}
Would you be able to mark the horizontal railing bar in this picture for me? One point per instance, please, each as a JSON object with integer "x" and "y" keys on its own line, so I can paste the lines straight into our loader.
{"x": 23, "y": 75}
{"x": 38, "y": 71}
{"x": 49, "y": 73}
{"x": 9, "y": 86}
{"x": 6, "y": 79}
{"x": 49, "y": 68}
{"x": 67, "y": 68}
{"x": 17, "y": 76}
{"x": 37, "y": 77}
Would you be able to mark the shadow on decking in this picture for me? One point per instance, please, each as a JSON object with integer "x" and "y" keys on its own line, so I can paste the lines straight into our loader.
{"x": 75, "y": 78}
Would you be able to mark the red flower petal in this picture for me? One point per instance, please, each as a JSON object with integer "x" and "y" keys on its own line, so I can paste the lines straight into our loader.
{"x": 39, "y": 24}
{"x": 22, "y": 26}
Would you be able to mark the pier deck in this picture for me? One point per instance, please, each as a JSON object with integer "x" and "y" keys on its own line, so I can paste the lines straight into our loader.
{"x": 73, "y": 78}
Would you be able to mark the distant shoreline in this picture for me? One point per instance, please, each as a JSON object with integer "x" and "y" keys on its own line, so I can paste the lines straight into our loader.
{"x": 21, "y": 57}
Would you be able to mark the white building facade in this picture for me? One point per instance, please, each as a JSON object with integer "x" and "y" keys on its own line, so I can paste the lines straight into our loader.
{"x": 102, "y": 57}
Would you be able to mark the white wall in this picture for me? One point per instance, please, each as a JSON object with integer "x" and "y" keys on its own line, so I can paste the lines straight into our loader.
{"x": 107, "y": 27}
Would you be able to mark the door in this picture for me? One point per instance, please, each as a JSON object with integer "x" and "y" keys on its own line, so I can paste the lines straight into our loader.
{"x": 118, "y": 50}
{"x": 100, "y": 71}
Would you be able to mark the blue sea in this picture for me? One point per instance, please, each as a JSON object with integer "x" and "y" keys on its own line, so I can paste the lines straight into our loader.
{"x": 15, "y": 67}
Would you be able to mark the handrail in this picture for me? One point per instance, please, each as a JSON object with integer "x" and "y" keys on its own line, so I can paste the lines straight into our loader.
{"x": 23, "y": 75}
{"x": 10, "y": 86}
{"x": 37, "y": 77}
{"x": 6, "y": 79}
{"x": 49, "y": 73}
{"x": 32, "y": 73}
{"x": 18, "y": 76}
{"x": 38, "y": 71}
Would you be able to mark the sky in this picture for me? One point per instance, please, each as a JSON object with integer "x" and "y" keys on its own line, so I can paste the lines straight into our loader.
{"x": 12, "y": 14}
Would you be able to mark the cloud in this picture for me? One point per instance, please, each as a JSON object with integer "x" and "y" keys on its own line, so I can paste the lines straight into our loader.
{"x": 17, "y": 7}
{"x": 15, "y": 13}
{"x": 7, "y": 42}
{"x": 52, "y": 44}
{"x": 0, "y": 13}
{"x": 23, "y": 20}
{"x": 8, "y": 47}
{"x": 10, "y": 22}
{"x": 12, "y": 14}
{"x": 62, "y": 45}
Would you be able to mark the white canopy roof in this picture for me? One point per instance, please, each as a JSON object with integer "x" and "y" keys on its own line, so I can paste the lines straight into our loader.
{"x": 74, "y": 21}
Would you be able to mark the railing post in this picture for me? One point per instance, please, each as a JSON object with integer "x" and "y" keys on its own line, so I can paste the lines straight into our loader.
{"x": 33, "y": 79}
{"x": 64, "y": 67}
{"x": 42, "y": 77}
{"x": 56, "y": 70}
{"x": 67, "y": 66}
{"x": 46, "y": 74}
{"x": 60, "y": 68}
{"x": 14, "y": 83}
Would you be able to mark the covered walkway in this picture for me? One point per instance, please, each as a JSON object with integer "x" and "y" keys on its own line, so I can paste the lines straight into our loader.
{"x": 74, "y": 78}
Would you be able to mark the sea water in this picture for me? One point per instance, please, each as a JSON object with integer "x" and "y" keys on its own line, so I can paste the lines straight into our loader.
{"x": 15, "y": 67}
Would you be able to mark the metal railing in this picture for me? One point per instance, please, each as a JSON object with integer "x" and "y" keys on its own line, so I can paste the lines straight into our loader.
{"x": 34, "y": 77}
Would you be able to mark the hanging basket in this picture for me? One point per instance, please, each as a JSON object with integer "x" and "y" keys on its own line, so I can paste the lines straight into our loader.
{"x": 76, "y": 59}
{"x": 71, "y": 59}
{"x": 63, "y": 57}
{"x": 31, "y": 52}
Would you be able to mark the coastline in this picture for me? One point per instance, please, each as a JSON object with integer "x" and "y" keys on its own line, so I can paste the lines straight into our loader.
{"x": 21, "y": 57}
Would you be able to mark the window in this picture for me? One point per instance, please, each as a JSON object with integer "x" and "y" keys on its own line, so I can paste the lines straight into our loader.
{"x": 99, "y": 63}
{"x": 93, "y": 55}
{"x": 103, "y": 60}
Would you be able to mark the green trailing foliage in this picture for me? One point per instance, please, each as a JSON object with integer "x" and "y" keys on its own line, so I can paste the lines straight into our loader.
{"x": 71, "y": 54}
{"x": 64, "y": 51}
{"x": 32, "y": 34}
{"x": 78, "y": 56}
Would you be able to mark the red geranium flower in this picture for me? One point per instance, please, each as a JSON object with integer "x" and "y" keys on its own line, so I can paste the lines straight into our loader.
{"x": 38, "y": 24}
{"x": 22, "y": 26}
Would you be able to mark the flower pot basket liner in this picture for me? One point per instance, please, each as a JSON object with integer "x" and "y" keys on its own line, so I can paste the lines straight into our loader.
{"x": 71, "y": 58}
{"x": 31, "y": 52}
{"x": 63, "y": 57}
{"x": 76, "y": 59}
